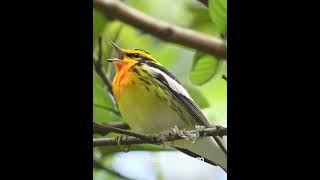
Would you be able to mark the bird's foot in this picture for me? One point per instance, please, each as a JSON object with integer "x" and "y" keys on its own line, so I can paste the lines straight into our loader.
{"x": 120, "y": 139}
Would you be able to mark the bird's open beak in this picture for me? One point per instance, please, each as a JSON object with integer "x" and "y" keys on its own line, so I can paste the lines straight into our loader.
{"x": 119, "y": 52}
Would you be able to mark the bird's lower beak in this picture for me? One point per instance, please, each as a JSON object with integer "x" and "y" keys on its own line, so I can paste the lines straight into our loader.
{"x": 114, "y": 60}
{"x": 118, "y": 62}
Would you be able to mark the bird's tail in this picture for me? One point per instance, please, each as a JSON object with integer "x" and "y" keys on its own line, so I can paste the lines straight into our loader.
{"x": 205, "y": 148}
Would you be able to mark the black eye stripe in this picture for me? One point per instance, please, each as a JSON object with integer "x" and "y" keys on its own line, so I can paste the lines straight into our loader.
{"x": 137, "y": 55}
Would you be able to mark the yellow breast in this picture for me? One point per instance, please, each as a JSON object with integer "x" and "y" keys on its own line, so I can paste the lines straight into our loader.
{"x": 144, "y": 103}
{"x": 147, "y": 108}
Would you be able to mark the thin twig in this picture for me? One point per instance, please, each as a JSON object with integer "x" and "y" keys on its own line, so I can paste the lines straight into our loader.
{"x": 101, "y": 129}
{"x": 98, "y": 65}
{"x": 204, "y": 2}
{"x": 162, "y": 29}
{"x": 158, "y": 139}
{"x": 108, "y": 108}
{"x": 224, "y": 77}
{"x": 98, "y": 165}
{"x": 115, "y": 38}
{"x": 220, "y": 144}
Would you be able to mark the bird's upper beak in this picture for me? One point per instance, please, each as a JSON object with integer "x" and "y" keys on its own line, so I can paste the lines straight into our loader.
{"x": 119, "y": 51}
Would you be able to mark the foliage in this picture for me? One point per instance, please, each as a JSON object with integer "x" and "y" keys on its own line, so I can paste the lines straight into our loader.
{"x": 218, "y": 14}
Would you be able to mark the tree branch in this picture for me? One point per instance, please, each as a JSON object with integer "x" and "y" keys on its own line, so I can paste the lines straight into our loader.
{"x": 158, "y": 139}
{"x": 98, "y": 165}
{"x": 161, "y": 29}
{"x": 105, "y": 128}
{"x": 125, "y": 132}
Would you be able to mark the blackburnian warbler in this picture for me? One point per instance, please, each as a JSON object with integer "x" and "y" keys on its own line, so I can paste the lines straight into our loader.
{"x": 151, "y": 100}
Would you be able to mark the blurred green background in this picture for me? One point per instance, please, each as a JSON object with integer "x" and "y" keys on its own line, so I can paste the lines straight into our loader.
{"x": 200, "y": 74}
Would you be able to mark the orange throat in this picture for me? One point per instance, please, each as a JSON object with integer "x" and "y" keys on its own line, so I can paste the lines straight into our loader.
{"x": 123, "y": 78}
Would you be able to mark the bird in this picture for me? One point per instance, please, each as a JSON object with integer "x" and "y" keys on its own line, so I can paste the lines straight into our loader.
{"x": 152, "y": 100}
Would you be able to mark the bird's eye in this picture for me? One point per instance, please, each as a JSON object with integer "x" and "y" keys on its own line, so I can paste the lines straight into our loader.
{"x": 136, "y": 55}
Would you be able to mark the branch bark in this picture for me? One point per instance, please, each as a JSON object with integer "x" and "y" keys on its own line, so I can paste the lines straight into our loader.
{"x": 109, "y": 128}
{"x": 104, "y": 129}
{"x": 163, "y": 30}
{"x": 158, "y": 139}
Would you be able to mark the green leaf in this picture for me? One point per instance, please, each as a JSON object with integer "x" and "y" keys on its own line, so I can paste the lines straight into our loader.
{"x": 201, "y": 20}
{"x": 200, "y": 14}
{"x": 100, "y": 94}
{"x": 216, "y": 93}
{"x": 218, "y": 14}
{"x": 203, "y": 69}
{"x": 197, "y": 96}
{"x": 101, "y": 115}
{"x": 99, "y": 21}
{"x": 103, "y": 105}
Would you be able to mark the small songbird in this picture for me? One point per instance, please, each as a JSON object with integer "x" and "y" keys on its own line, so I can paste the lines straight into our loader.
{"x": 151, "y": 100}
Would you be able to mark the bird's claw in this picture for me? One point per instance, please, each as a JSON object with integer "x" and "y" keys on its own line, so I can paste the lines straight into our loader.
{"x": 120, "y": 138}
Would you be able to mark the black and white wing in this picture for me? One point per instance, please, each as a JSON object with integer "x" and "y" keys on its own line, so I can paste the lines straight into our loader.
{"x": 173, "y": 85}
